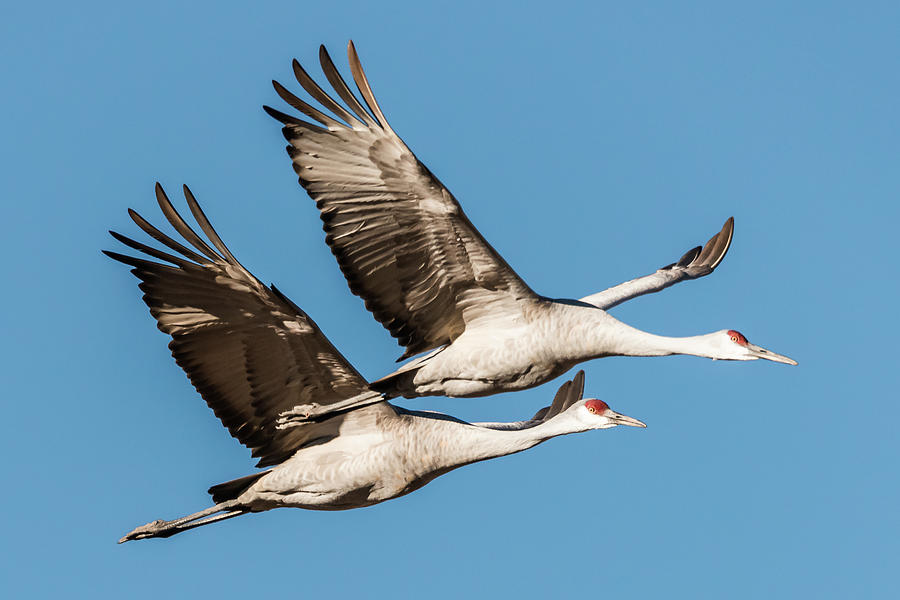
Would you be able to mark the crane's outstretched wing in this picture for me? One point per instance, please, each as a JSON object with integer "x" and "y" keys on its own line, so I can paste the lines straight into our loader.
{"x": 568, "y": 394}
{"x": 695, "y": 263}
{"x": 250, "y": 352}
{"x": 400, "y": 237}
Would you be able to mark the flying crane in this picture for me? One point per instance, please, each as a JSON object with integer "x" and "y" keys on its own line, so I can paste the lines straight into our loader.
{"x": 427, "y": 275}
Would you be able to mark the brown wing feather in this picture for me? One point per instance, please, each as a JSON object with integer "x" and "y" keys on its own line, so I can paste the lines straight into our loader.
{"x": 401, "y": 239}
{"x": 250, "y": 352}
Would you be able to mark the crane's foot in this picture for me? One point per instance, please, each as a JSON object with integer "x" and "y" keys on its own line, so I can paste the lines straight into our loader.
{"x": 152, "y": 529}
{"x": 305, "y": 413}
{"x": 302, "y": 413}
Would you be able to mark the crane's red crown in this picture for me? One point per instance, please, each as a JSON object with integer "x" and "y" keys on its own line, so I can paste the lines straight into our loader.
{"x": 737, "y": 337}
{"x": 596, "y": 407}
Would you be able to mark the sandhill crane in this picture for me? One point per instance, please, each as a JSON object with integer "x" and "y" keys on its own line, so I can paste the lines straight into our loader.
{"x": 406, "y": 247}
{"x": 253, "y": 355}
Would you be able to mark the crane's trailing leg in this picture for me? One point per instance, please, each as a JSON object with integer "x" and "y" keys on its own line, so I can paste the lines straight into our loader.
{"x": 305, "y": 413}
{"x": 160, "y": 528}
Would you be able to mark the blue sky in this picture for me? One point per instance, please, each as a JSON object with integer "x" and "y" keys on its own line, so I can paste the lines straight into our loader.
{"x": 589, "y": 145}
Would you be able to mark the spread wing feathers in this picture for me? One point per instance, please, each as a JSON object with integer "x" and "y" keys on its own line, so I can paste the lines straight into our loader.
{"x": 249, "y": 351}
{"x": 697, "y": 262}
{"x": 399, "y": 236}
{"x": 568, "y": 394}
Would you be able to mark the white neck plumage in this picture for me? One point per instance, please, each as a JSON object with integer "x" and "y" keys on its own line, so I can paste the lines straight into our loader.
{"x": 611, "y": 337}
{"x": 476, "y": 443}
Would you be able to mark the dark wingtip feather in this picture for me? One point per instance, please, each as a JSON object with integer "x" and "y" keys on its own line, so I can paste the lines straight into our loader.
{"x": 161, "y": 197}
{"x": 150, "y": 251}
{"x": 340, "y": 86}
{"x": 280, "y": 116}
{"x": 119, "y": 237}
{"x": 688, "y": 257}
{"x": 206, "y": 226}
{"x": 307, "y": 109}
{"x": 159, "y": 236}
{"x": 362, "y": 84}
{"x": 314, "y": 90}
{"x": 559, "y": 401}
{"x": 578, "y": 383}
{"x": 717, "y": 246}
{"x": 541, "y": 414}
{"x": 280, "y": 89}
{"x": 722, "y": 243}
{"x": 728, "y": 227}
{"x": 129, "y": 260}
{"x": 181, "y": 226}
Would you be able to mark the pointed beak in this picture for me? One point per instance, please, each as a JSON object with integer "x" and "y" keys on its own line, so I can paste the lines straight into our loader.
{"x": 759, "y": 352}
{"x": 620, "y": 419}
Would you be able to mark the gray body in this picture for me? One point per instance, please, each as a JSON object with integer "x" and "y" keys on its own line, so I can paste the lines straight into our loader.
{"x": 384, "y": 452}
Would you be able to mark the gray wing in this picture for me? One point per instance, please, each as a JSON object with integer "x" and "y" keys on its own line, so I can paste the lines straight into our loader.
{"x": 695, "y": 263}
{"x": 250, "y": 352}
{"x": 400, "y": 237}
{"x": 568, "y": 394}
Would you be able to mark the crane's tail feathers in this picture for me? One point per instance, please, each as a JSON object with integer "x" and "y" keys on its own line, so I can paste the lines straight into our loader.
{"x": 164, "y": 529}
{"x": 401, "y": 382}
{"x": 391, "y": 386}
{"x": 230, "y": 490}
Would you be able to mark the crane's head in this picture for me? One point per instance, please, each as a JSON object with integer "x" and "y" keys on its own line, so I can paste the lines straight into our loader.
{"x": 587, "y": 413}
{"x": 596, "y": 414}
{"x": 732, "y": 345}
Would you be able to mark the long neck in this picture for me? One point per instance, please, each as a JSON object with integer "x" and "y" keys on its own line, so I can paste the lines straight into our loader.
{"x": 454, "y": 444}
{"x": 603, "y": 335}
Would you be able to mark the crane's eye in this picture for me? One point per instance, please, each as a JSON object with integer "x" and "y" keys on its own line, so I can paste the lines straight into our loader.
{"x": 737, "y": 337}
{"x": 596, "y": 407}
